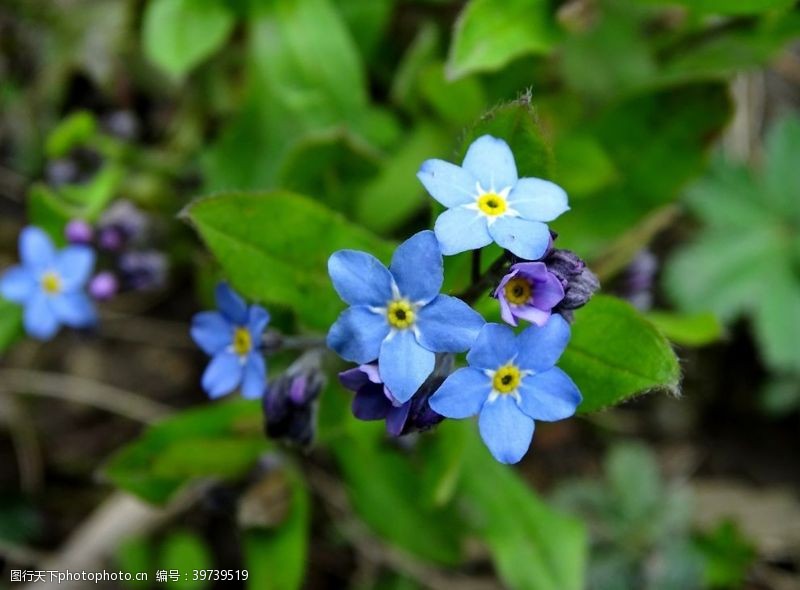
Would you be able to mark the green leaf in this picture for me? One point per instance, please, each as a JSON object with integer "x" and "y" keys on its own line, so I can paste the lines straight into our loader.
{"x": 516, "y": 122}
{"x": 10, "y": 324}
{"x": 489, "y": 35}
{"x": 781, "y": 172}
{"x": 727, "y": 6}
{"x": 179, "y": 34}
{"x": 75, "y": 130}
{"x": 583, "y": 165}
{"x": 533, "y": 546}
{"x": 135, "y": 555}
{"x": 383, "y": 489}
{"x": 170, "y": 454}
{"x": 304, "y": 76}
{"x": 276, "y": 558}
{"x": 395, "y": 194}
{"x": 458, "y": 103}
{"x": 728, "y": 555}
{"x": 184, "y": 551}
{"x": 697, "y": 329}
{"x": 615, "y": 353}
{"x": 274, "y": 247}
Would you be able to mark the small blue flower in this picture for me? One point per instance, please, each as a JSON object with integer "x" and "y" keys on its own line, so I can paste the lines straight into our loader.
{"x": 511, "y": 381}
{"x": 487, "y": 202}
{"x": 397, "y": 314}
{"x": 49, "y": 284}
{"x": 232, "y": 337}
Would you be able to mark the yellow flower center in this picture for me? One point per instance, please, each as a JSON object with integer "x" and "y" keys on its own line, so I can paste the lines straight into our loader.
{"x": 51, "y": 283}
{"x": 400, "y": 314}
{"x": 506, "y": 379}
{"x": 492, "y": 204}
{"x": 242, "y": 341}
{"x": 518, "y": 291}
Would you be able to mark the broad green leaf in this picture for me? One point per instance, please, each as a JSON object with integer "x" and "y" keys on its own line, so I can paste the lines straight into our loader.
{"x": 274, "y": 248}
{"x": 458, "y": 103}
{"x": 582, "y": 165}
{"x": 697, "y": 329}
{"x": 615, "y": 353}
{"x": 488, "y": 35}
{"x": 304, "y": 76}
{"x": 179, "y": 34}
{"x": 727, "y": 6}
{"x": 185, "y": 551}
{"x": 383, "y": 488}
{"x": 276, "y": 558}
{"x": 75, "y": 130}
{"x": 517, "y": 124}
{"x": 394, "y": 195}
{"x": 10, "y": 324}
{"x": 367, "y": 21}
{"x": 533, "y": 546}
{"x": 171, "y": 453}
{"x": 781, "y": 172}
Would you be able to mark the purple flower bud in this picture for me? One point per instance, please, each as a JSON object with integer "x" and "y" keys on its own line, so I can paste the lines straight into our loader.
{"x": 122, "y": 124}
{"x": 373, "y": 401}
{"x": 103, "y": 286}
{"x": 578, "y": 281}
{"x": 79, "y": 231}
{"x": 110, "y": 239}
{"x": 290, "y": 404}
{"x": 61, "y": 172}
{"x": 142, "y": 271}
{"x": 638, "y": 280}
{"x": 127, "y": 220}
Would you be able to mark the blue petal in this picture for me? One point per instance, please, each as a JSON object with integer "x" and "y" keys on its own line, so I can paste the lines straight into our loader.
{"x": 462, "y": 394}
{"x": 360, "y": 278}
{"x": 36, "y": 249}
{"x": 74, "y": 309}
{"x": 74, "y": 264}
{"x": 490, "y": 161}
{"x": 447, "y": 324}
{"x": 549, "y": 396}
{"x": 17, "y": 284}
{"x": 254, "y": 378}
{"x": 449, "y": 184}
{"x": 537, "y": 199}
{"x": 417, "y": 267}
{"x": 541, "y": 346}
{"x": 505, "y": 429}
{"x": 223, "y": 375}
{"x": 231, "y": 304}
{"x": 396, "y": 419}
{"x": 527, "y": 239}
{"x": 211, "y": 331}
{"x": 39, "y": 319}
{"x": 257, "y": 320}
{"x": 404, "y": 364}
{"x": 357, "y": 334}
{"x": 461, "y": 229}
{"x": 494, "y": 347}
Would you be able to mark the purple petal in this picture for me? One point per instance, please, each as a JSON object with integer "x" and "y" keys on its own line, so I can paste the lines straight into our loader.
{"x": 531, "y": 314}
{"x": 370, "y": 403}
{"x": 548, "y": 293}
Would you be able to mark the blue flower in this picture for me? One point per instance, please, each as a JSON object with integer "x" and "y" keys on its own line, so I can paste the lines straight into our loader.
{"x": 511, "y": 381}
{"x": 232, "y": 337}
{"x": 397, "y": 314}
{"x": 486, "y": 202}
{"x": 49, "y": 284}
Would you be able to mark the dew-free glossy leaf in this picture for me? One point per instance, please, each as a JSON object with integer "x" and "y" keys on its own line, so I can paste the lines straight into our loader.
{"x": 615, "y": 353}
{"x": 274, "y": 248}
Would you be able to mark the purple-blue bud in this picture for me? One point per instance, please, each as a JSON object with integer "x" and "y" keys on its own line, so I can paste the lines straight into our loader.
{"x": 79, "y": 231}
{"x": 103, "y": 286}
{"x": 110, "y": 239}
{"x": 290, "y": 404}
{"x": 142, "y": 271}
{"x": 127, "y": 220}
{"x": 578, "y": 281}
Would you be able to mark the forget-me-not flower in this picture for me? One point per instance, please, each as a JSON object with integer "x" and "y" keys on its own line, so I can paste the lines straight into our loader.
{"x": 49, "y": 284}
{"x": 397, "y": 314}
{"x": 232, "y": 337}
{"x": 487, "y": 202}
{"x": 511, "y": 381}
{"x": 529, "y": 292}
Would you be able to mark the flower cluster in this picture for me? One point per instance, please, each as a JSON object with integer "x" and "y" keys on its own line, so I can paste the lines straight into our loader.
{"x": 398, "y": 322}
{"x": 123, "y": 238}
